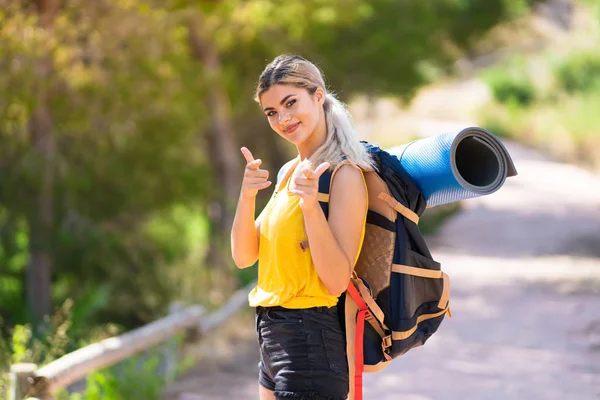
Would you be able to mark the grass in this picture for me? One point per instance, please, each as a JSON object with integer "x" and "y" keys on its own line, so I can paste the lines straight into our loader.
{"x": 434, "y": 218}
{"x": 141, "y": 376}
{"x": 569, "y": 129}
{"x": 549, "y": 101}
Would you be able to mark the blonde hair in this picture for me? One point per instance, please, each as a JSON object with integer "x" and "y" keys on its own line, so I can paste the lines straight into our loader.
{"x": 341, "y": 142}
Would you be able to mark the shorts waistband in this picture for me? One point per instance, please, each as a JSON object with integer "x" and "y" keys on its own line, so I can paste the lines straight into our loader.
{"x": 319, "y": 309}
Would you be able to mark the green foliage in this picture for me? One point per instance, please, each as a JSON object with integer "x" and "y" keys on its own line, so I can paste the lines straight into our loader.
{"x": 247, "y": 275}
{"x": 41, "y": 346}
{"x": 141, "y": 376}
{"x": 22, "y": 344}
{"x": 577, "y": 118}
{"x": 511, "y": 86}
{"x": 507, "y": 120}
{"x": 434, "y": 218}
{"x": 4, "y": 363}
{"x": 127, "y": 99}
{"x": 126, "y": 107}
{"x": 134, "y": 378}
{"x": 579, "y": 72}
{"x": 498, "y": 127}
{"x": 389, "y": 43}
{"x": 561, "y": 115}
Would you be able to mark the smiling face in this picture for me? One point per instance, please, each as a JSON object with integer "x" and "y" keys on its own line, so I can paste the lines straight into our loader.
{"x": 293, "y": 112}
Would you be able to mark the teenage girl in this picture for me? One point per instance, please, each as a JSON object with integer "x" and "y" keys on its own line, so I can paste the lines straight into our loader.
{"x": 305, "y": 259}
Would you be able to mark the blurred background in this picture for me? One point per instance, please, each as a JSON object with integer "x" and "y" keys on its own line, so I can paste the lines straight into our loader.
{"x": 121, "y": 123}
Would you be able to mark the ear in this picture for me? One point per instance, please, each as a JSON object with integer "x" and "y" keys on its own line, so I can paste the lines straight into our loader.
{"x": 320, "y": 95}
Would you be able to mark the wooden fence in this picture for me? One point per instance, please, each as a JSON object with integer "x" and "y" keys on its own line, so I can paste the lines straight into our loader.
{"x": 30, "y": 381}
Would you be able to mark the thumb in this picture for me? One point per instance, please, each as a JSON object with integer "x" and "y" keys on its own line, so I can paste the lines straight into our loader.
{"x": 247, "y": 154}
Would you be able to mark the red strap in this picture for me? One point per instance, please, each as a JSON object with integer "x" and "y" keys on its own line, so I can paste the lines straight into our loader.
{"x": 353, "y": 291}
{"x": 358, "y": 342}
{"x": 360, "y": 330}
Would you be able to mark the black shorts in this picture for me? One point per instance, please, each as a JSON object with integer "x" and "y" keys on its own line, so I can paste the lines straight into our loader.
{"x": 303, "y": 353}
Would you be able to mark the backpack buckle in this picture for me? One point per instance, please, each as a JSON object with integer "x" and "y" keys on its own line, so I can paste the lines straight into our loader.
{"x": 304, "y": 245}
{"x": 386, "y": 342}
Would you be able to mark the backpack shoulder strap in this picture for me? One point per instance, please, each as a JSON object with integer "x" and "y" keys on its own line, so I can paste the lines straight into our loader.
{"x": 325, "y": 182}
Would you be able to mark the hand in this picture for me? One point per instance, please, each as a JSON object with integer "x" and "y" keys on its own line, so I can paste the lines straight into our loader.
{"x": 305, "y": 184}
{"x": 255, "y": 179}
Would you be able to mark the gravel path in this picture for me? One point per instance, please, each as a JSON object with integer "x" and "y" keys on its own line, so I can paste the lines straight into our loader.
{"x": 525, "y": 270}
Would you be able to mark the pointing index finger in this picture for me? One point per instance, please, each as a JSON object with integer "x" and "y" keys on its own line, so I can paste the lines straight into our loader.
{"x": 247, "y": 154}
{"x": 321, "y": 169}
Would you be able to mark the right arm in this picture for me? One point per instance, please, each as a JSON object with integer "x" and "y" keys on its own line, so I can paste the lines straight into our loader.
{"x": 245, "y": 232}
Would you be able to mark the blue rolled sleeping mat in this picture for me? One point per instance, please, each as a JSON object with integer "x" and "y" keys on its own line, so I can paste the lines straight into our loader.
{"x": 456, "y": 166}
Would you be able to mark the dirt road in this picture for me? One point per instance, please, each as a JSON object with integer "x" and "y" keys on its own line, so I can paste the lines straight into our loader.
{"x": 525, "y": 270}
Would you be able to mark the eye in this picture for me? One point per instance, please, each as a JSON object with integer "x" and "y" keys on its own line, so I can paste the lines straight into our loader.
{"x": 270, "y": 113}
{"x": 290, "y": 103}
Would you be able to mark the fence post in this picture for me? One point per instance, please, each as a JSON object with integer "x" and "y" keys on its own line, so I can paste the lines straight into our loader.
{"x": 171, "y": 349}
{"x": 19, "y": 380}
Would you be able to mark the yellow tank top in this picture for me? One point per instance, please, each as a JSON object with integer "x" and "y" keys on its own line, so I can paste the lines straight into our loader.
{"x": 286, "y": 274}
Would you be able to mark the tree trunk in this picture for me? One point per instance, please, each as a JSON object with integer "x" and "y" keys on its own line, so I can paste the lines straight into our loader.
{"x": 223, "y": 153}
{"x": 41, "y": 216}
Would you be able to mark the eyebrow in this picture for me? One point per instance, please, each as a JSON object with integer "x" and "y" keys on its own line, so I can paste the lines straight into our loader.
{"x": 281, "y": 102}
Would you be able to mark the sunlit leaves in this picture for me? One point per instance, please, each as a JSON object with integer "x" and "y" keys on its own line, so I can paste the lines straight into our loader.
{"x": 129, "y": 118}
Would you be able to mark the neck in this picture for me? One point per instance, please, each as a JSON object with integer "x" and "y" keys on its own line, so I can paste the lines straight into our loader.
{"x": 316, "y": 139}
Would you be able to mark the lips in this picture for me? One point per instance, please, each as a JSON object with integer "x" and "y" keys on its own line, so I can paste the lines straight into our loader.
{"x": 292, "y": 128}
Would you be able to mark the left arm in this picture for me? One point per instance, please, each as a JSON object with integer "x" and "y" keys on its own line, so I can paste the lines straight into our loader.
{"x": 334, "y": 244}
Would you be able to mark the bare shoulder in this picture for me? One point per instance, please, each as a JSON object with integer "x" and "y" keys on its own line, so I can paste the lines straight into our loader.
{"x": 348, "y": 180}
{"x": 348, "y": 207}
{"x": 348, "y": 174}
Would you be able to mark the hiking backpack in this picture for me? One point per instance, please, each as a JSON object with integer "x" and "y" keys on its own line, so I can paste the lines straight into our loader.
{"x": 398, "y": 295}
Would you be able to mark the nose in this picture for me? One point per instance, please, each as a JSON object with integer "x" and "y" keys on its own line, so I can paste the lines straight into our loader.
{"x": 284, "y": 116}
